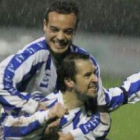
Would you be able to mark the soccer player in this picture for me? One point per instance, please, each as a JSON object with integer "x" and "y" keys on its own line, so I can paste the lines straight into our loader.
{"x": 33, "y": 68}
{"x": 77, "y": 82}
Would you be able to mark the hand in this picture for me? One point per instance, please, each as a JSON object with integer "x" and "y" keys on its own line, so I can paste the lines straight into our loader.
{"x": 52, "y": 127}
{"x": 51, "y": 130}
{"x": 105, "y": 118}
{"x": 42, "y": 107}
{"x": 63, "y": 136}
{"x": 58, "y": 110}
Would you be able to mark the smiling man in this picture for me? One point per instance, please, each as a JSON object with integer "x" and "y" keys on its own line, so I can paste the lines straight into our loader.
{"x": 59, "y": 30}
{"x": 33, "y": 68}
{"x": 77, "y": 82}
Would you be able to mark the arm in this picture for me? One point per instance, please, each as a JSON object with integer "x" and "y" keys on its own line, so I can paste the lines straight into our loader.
{"x": 15, "y": 73}
{"x": 129, "y": 92}
{"x": 26, "y": 125}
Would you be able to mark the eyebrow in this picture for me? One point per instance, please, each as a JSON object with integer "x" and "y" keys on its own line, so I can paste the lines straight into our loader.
{"x": 52, "y": 26}
{"x": 87, "y": 73}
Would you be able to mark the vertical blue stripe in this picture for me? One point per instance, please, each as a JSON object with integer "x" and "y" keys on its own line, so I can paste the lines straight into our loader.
{"x": 63, "y": 121}
{"x": 134, "y": 87}
{"x": 117, "y": 101}
{"x": 26, "y": 79}
{"x": 15, "y": 63}
{"x": 48, "y": 64}
{"x": 76, "y": 119}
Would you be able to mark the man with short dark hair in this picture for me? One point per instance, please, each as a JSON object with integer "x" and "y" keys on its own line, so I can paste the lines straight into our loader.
{"x": 77, "y": 83}
{"x": 34, "y": 68}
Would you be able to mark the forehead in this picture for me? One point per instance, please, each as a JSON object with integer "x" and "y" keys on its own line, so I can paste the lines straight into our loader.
{"x": 84, "y": 66}
{"x": 57, "y": 19}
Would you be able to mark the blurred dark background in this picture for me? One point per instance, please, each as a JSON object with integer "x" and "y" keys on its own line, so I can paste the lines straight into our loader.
{"x": 121, "y": 17}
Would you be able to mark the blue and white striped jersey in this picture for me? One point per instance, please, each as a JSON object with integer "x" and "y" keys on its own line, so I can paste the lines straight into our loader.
{"x": 76, "y": 122}
{"x": 31, "y": 69}
{"x": 129, "y": 92}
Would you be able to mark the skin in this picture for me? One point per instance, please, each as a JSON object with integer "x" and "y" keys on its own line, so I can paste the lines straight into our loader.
{"x": 59, "y": 31}
{"x": 85, "y": 79}
{"x": 85, "y": 85}
{"x": 63, "y": 136}
{"x": 58, "y": 110}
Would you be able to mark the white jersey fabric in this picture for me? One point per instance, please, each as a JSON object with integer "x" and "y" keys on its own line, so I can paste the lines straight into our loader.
{"x": 32, "y": 69}
{"x": 76, "y": 122}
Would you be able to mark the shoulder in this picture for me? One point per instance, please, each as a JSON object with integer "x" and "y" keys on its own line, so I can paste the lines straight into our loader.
{"x": 54, "y": 95}
{"x": 37, "y": 48}
{"x": 53, "y": 98}
{"x": 78, "y": 49}
{"x": 38, "y": 44}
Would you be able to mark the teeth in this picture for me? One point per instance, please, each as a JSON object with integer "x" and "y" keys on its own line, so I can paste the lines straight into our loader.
{"x": 92, "y": 86}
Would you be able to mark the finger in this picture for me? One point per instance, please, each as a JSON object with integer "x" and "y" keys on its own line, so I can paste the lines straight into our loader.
{"x": 64, "y": 109}
{"x": 67, "y": 112}
{"x": 60, "y": 133}
{"x": 46, "y": 131}
{"x": 55, "y": 123}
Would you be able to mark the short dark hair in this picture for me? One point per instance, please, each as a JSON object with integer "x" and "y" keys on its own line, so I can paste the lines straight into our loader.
{"x": 67, "y": 69}
{"x": 64, "y": 7}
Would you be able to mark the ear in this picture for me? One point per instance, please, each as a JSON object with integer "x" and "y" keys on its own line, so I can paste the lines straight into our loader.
{"x": 69, "y": 83}
{"x": 44, "y": 25}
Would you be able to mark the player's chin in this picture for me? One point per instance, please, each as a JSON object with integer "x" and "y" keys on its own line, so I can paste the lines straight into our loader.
{"x": 92, "y": 93}
{"x": 59, "y": 50}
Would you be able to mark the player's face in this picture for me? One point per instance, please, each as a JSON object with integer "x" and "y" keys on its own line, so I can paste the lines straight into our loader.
{"x": 85, "y": 79}
{"x": 59, "y": 31}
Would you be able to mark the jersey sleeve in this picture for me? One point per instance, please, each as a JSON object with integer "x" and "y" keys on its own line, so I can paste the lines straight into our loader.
{"x": 25, "y": 126}
{"x": 129, "y": 92}
{"x": 15, "y": 73}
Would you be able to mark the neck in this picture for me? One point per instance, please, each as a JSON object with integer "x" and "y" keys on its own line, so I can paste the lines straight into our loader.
{"x": 71, "y": 100}
{"x": 59, "y": 57}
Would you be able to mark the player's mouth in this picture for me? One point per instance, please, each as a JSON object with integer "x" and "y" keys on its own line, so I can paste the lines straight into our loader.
{"x": 60, "y": 44}
{"x": 93, "y": 86}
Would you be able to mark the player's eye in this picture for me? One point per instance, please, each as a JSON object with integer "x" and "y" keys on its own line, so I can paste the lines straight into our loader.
{"x": 88, "y": 74}
{"x": 69, "y": 31}
{"x": 53, "y": 29}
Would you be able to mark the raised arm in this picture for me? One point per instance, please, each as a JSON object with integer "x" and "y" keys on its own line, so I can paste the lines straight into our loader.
{"x": 128, "y": 92}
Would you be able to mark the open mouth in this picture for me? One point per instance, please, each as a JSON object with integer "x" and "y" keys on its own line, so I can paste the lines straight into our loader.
{"x": 94, "y": 87}
{"x": 60, "y": 44}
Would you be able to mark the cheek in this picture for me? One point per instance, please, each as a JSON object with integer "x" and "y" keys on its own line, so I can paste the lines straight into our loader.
{"x": 83, "y": 85}
{"x": 50, "y": 35}
{"x": 70, "y": 37}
